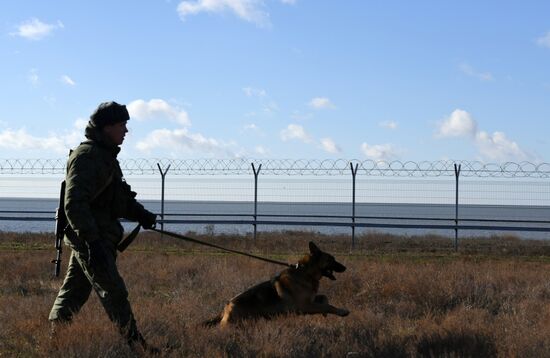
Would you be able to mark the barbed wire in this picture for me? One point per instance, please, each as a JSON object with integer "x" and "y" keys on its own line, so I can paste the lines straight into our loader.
{"x": 295, "y": 167}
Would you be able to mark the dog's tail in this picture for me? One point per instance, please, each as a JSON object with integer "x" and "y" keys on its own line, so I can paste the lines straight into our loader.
{"x": 213, "y": 321}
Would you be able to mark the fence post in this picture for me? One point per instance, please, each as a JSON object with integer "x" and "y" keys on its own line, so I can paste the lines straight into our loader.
{"x": 353, "y": 176}
{"x": 256, "y": 173}
{"x": 163, "y": 177}
{"x": 457, "y": 174}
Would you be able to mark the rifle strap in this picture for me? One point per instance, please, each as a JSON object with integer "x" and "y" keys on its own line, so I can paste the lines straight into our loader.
{"x": 125, "y": 242}
{"x": 98, "y": 193}
{"x": 102, "y": 189}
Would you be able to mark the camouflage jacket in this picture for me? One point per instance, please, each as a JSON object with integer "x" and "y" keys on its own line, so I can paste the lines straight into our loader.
{"x": 89, "y": 168}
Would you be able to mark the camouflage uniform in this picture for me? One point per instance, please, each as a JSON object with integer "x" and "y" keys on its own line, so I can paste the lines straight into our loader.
{"x": 90, "y": 166}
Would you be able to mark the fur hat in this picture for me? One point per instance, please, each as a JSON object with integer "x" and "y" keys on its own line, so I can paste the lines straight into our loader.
{"x": 109, "y": 113}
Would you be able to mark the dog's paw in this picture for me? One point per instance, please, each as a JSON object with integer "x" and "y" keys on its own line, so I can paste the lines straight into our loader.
{"x": 342, "y": 312}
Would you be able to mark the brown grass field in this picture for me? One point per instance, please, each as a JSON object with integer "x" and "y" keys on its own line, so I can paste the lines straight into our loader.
{"x": 408, "y": 297}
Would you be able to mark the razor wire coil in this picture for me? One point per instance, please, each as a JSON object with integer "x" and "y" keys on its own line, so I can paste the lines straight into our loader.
{"x": 295, "y": 167}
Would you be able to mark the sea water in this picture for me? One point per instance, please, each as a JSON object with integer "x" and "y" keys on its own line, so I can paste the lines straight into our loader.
{"x": 37, "y": 215}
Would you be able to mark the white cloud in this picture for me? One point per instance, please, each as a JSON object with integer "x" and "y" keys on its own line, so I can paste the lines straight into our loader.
{"x": 50, "y": 100}
{"x": 468, "y": 70}
{"x": 260, "y": 150}
{"x": 180, "y": 140}
{"x": 297, "y": 115}
{"x": 459, "y": 124}
{"x": 157, "y": 108}
{"x": 321, "y": 103}
{"x": 268, "y": 105}
{"x": 295, "y": 131}
{"x": 254, "y": 92}
{"x": 253, "y": 129}
{"x": 330, "y": 146}
{"x": 20, "y": 139}
{"x": 33, "y": 77}
{"x": 67, "y": 80}
{"x": 494, "y": 147}
{"x": 291, "y": 2}
{"x": 35, "y": 29}
{"x": 80, "y": 124}
{"x": 379, "y": 152}
{"x": 388, "y": 124}
{"x": 248, "y": 10}
{"x": 544, "y": 41}
{"x": 498, "y": 147}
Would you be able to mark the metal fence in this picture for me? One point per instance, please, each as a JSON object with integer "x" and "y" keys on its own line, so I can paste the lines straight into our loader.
{"x": 400, "y": 197}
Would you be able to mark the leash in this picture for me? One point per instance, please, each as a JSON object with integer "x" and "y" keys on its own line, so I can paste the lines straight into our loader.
{"x": 196, "y": 241}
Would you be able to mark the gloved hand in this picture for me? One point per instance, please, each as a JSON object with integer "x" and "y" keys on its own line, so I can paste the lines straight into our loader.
{"x": 148, "y": 220}
{"x": 97, "y": 254}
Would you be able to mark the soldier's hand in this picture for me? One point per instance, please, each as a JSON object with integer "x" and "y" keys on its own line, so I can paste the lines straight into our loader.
{"x": 148, "y": 221}
{"x": 97, "y": 254}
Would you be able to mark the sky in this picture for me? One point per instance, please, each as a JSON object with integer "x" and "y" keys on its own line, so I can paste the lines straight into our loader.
{"x": 362, "y": 80}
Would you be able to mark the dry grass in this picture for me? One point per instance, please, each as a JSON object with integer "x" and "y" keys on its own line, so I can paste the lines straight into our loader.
{"x": 408, "y": 297}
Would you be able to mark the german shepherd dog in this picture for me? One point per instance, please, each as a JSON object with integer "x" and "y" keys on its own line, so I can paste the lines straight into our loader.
{"x": 294, "y": 290}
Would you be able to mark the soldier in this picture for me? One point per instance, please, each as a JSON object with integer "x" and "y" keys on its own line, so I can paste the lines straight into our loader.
{"x": 96, "y": 196}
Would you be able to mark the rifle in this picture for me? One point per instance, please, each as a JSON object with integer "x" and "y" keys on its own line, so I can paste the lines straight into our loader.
{"x": 60, "y": 225}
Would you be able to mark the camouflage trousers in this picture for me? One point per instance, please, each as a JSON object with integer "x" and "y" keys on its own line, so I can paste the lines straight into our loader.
{"x": 106, "y": 281}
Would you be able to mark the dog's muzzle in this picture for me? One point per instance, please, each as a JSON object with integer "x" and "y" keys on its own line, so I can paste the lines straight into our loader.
{"x": 338, "y": 267}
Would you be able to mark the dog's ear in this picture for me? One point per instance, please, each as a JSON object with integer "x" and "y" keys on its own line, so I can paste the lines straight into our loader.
{"x": 313, "y": 249}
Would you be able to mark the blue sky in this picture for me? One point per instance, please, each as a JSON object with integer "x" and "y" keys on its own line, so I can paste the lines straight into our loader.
{"x": 355, "y": 79}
